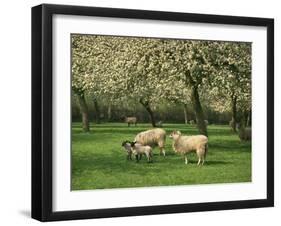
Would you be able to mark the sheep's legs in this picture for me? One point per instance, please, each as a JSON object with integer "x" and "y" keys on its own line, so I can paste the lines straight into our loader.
{"x": 149, "y": 157}
{"x": 137, "y": 158}
{"x": 162, "y": 151}
{"x": 203, "y": 161}
{"x": 201, "y": 157}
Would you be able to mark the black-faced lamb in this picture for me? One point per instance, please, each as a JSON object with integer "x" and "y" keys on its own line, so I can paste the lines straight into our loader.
{"x": 152, "y": 137}
{"x": 185, "y": 144}
{"x": 131, "y": 120}
{"x": 127, "y": 147}
{"x": 138, "y": 150}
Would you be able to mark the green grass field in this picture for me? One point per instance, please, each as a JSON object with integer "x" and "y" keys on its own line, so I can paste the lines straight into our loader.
{"x": 99, "y": 161}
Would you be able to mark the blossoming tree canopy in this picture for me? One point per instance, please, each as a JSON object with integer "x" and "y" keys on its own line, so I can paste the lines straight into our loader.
{"x": 152, "y": 70}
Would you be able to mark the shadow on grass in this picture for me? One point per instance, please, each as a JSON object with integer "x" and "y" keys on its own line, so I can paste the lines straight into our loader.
{"x": 117, "y": 163}
{"x": 236, "y": 146}
{"x": 212, "y": 162}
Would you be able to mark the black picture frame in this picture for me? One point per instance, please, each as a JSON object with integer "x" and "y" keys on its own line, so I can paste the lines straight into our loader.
{"x": 42, "y": 111}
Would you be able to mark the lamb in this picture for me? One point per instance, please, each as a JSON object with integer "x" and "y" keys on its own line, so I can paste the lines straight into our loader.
{"x": 186, "y": 144}
{"x": 191, "y": 122}
{"x": 127, "y": 147}
{"x": 131, "y": 120}
{"x": 138, "y": 150}
{"x": 152, "y": 137}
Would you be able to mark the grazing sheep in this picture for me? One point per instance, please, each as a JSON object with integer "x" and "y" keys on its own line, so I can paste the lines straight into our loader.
{"x": 152, "y": 137}
{"x": 131, "y": 120}
{"x": 159, "y": 124}
{"x": 138, "y": 150}
{"x": 191, "y": 122}
{"x": 186, "y": 144}
{"x": 245, "y": 134}
{"x": 127, "y": 147}
{"x": 206, "y": 122}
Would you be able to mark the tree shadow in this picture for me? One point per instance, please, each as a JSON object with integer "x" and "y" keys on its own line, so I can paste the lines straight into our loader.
{"x": 210, "y": 162}
{"x": 217, "y": 162}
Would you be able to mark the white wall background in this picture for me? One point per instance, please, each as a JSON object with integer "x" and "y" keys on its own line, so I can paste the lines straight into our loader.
{"x": 15, "y": 105}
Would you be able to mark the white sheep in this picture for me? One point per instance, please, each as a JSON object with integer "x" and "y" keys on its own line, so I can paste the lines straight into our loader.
{"x": 131, "y": 120}
{"x": 138, "y": 150}
{"x": 152, "y": 137}
{"x": 206, "y": 122}
{"x": 186, "y": 144}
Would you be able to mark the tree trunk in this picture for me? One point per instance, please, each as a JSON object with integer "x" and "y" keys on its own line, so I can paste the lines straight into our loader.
{"x": 84, "y": 112}
{"x": 249, "y": 118}
{"x": 150, "y": 112}
{"x": 97, "y": 111}
{"x": 234, "y": 112}
{"x": 199, "y": 114}
{"x": 245, "y": 118}
{"x": 109, "y": 112}
{"x": 185, "y": 114}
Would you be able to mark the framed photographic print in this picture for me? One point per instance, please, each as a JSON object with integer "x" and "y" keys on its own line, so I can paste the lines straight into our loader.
{"x": 145, "y": 112}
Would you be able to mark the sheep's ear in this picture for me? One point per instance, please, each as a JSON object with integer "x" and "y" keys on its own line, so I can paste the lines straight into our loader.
{"x": 178, "y": 132}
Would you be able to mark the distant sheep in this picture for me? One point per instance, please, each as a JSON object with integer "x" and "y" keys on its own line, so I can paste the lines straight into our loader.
{"x": 138, "y": 150}
{"x": 127, "y": 147}
{"x": 159, "y": 124}
{"x": 186, "y": 144}
{"x": 206, "y": 122}
{"x": 245, "y": 134}
{"x": 191, "y": 122}
{"x": 131, "y": 120}
{"x": 152, "y": 137}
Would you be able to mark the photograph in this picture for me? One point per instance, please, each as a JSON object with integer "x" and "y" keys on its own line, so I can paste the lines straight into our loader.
{"x": 154, "y": 111}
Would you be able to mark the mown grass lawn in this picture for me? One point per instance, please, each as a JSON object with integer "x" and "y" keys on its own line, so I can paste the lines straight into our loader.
{"x": 98, "y": 160}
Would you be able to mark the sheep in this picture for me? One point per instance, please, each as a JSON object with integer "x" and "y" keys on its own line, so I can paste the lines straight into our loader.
{"x": 127, "y": 147}
{"x": 159, "y": 124}
{"x": 152, "y": 137}
{"x": 191, "y": 122}
{"x": 186, "y": 144}
{"x": 206, "y": 122}
{"x": 131, "y": 120}
{"x": 245, "y": 134}
{"x": 138, "y": 150}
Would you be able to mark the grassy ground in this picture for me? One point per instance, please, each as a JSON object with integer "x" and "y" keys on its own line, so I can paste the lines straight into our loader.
{"x": 98, "y": 160}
